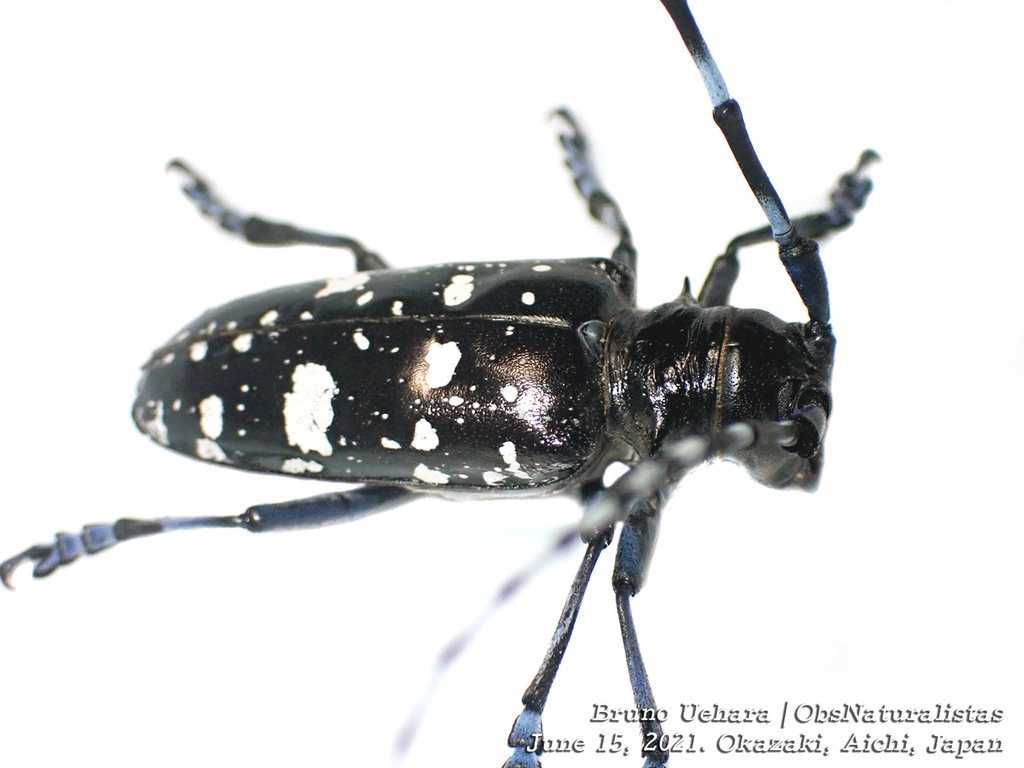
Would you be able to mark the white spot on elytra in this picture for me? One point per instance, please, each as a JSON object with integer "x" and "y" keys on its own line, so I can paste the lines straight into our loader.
{"x": 155, "y": 427}
{"x": 424, "y": 436}
{"x": 298, "y": 466}
{"x": 361, "y": 341}
{"x": 508, "y": 453}
{"x": 493, "y": 478}
{"x": 270, "y": 318}
{"x": 307, "y": 408}
{"x": 510, "y": 392}
{"x": 169, "y": 357}
{"x": 342, "y": 284}
{"x": 197, "y": 351}
{"x": 211, "y": 416}
{"x": 232, "y": 324}
{"x": 391, "y": 444}
{"x": 306, "y": 315}
{"x": 242, "y": 342}
{"x": 396, "y": 308}
{"x": 366, "y": 298}
{"x": 176, "y": 405}
{"x": 427, "y": 475}
{"x": 528, "y": 298}
{"x": 459, "y": 290}
{"x": 209, "y": 450}
{"x": 455, "y": 400}
{"x": 542, "y": 268}
{"x": 441, "y": 359}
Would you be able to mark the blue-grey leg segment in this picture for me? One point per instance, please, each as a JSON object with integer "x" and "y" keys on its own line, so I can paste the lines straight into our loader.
{"x": 328, "y": 509}
{"x": 526, "y": 737}
{"x": 849, "y": 196}
{"x": 650, "y": 728}
{"x": 259, "y": 231}
{"x": 632, "y": 560}
{"x": 600, "y": 204}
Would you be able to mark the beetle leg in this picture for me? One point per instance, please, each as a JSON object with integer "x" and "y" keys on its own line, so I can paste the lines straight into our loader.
{"x": 526, "y": 737}
{"x": 849, "y": 196}
{"x": 600, "y": 204}
{"x": 636, "y": 547}
{"x": 636, "y": 499}
{"x": 722, "y": 277}
{"x": 314, "y": 512}
{"x": 260, "y": 231}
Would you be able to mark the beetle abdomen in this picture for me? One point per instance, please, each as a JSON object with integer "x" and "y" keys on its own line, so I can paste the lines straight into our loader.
{"x": 345, "y": 380}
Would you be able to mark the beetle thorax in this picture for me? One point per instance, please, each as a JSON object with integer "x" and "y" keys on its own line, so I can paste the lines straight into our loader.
{"x": 680, "y": 370}
{"x": 664, "y": 371}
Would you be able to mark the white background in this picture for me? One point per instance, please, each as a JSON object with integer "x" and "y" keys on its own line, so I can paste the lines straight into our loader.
{"x": 420, "y": 129}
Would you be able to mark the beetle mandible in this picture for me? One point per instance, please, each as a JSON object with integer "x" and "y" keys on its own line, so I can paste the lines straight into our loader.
{"x": 464, "y": 380}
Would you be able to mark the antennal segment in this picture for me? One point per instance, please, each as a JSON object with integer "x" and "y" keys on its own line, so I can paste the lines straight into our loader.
{"x": 799, "y": 255}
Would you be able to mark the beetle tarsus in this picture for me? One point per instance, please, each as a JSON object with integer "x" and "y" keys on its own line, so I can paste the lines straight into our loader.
{"x": 47, "y": 558}
{"x": 68, "y": 547}
{"x": 38, "y": 554}
{"x": 600, "y": 204}
{"x": 526, "y": 740}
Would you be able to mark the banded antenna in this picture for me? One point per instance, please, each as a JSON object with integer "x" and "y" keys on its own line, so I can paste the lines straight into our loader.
{"x": 799, "y": 254}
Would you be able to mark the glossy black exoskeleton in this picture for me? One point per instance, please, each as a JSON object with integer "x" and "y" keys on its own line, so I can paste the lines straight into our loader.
{"x": 475, "y": 379}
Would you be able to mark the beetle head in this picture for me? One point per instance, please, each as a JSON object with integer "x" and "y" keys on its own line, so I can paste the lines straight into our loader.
{"x": 770, "y": 370}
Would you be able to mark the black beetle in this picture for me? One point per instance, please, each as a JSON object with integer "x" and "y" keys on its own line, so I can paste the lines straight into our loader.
{"x": 742, "y": 384}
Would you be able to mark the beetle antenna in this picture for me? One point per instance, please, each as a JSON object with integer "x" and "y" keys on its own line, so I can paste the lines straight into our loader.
{"x": 799, "y": 254}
